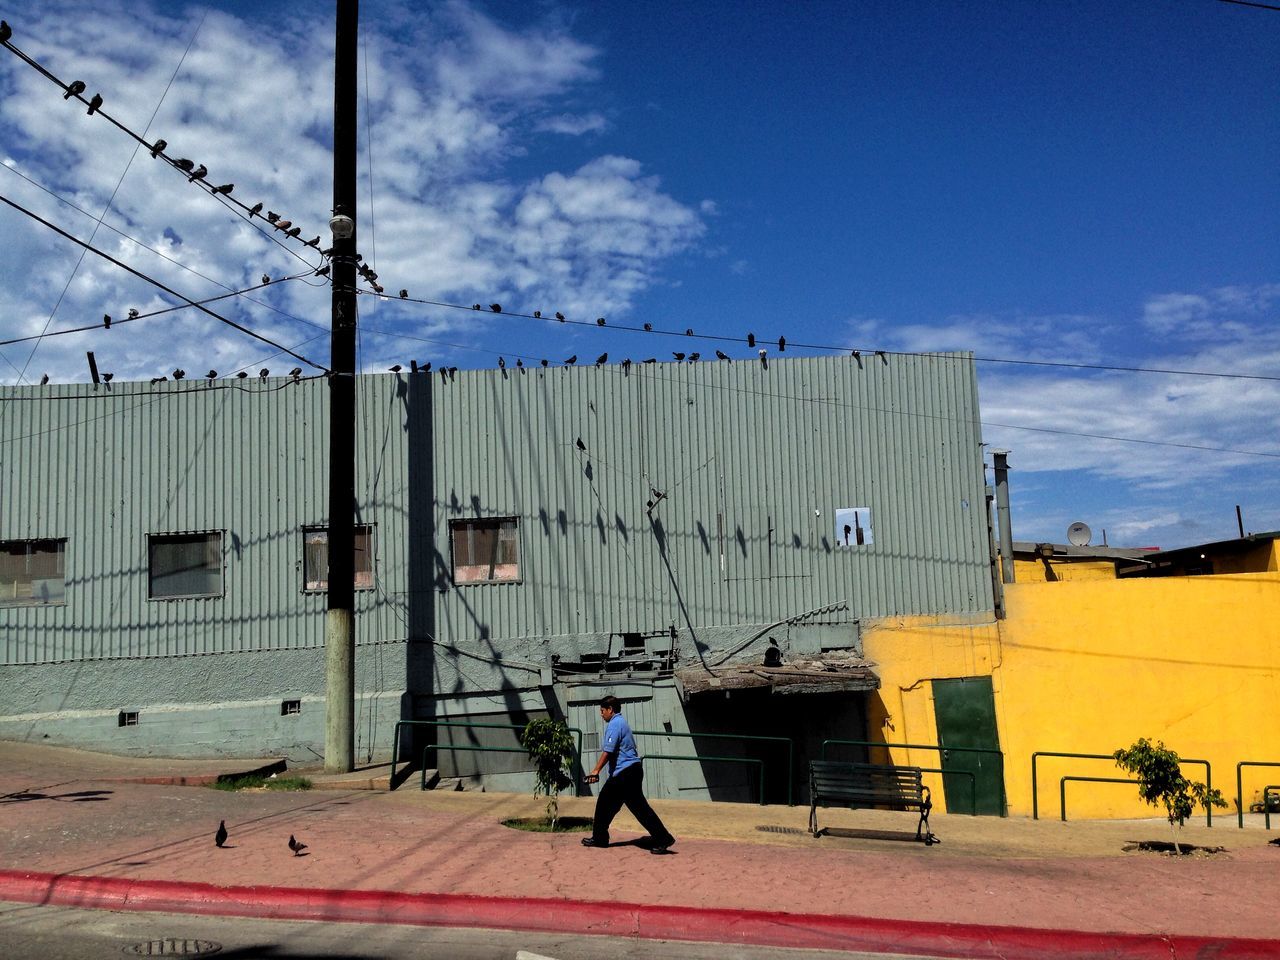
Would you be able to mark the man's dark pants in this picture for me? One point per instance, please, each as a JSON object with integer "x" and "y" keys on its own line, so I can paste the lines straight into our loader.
{"x": 626, "y": 788}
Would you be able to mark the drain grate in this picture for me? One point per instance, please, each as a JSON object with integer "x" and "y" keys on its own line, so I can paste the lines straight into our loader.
{"x": 770, "y": 828}
{"x": 173, "y": 947}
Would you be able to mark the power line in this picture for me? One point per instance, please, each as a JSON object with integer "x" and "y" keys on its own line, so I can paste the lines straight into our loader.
{"x": 157, "y": 149}
{"x": 751, "y": 341}
{"x": 1251, "y": 3}
{"x": 158, "y": 284}
{"x": 177, "y": 263}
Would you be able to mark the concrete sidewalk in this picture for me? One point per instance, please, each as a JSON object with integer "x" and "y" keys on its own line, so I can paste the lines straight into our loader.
{"x": 86, "y": 829}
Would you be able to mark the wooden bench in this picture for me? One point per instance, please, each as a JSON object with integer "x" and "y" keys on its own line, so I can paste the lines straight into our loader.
{"x": 834, "y": 782}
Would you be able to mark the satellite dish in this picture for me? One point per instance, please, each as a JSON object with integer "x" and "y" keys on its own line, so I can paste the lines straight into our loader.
{"x": 1079, "y": 534}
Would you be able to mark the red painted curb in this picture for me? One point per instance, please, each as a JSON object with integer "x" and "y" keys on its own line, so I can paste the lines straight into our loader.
{"x": 757, "y": 927}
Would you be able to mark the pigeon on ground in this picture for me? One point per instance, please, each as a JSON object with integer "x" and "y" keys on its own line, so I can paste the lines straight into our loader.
{"x": 220, "y": 837}
{"x": 297, "y": 846}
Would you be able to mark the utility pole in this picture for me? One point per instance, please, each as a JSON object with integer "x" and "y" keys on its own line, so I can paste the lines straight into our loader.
{"x": 340, "y": 618}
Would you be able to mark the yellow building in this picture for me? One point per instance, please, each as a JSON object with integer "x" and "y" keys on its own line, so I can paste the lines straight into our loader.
{"x": 1094, "y": 652}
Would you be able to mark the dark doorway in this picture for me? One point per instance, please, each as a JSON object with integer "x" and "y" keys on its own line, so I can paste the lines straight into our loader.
{"x": 966, "y": 715}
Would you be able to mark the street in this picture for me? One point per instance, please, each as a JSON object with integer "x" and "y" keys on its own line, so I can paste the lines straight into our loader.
{"x": 65, "y": 933}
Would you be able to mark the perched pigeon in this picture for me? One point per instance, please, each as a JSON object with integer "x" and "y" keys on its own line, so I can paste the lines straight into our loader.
{"x": 220, "y": 837}
{"x": 242, "y": 374}
{"x": 678, "y": 355}
{"x": 282, "y": 224}
{"x": 264, "y": 373}
{"x": 559, "y": 316}
{"x": 198, "y": 173}
{"x": 182, "y": 163}
{"x": 108, "y": 377}
{"x": 296, "y": 372}
{"x": 95, "y": 103}
{"x": 266, "y": 278}
{"x": 537, "y": 314}
{"x": 44, "y": 380}
{"x": 721, "y": 355}
{"x": 599, "y": 321}
{"x": 133, "y": 313}
{"x": 602, "y": 359}
{"x": 495, "y": 307}
{"x": 74, "y": 89}
{"x": 255, "y": 209}
{"x": 571, "y": 361}
{"x": 580, "y": 445}
{"x": 158, "y": 148}
{"x": 648, "y": 327}
{"x": 751, "y": 339}
{"x": 211, "y": 375}
{"x": 395, "y": 368}
{"x": 404, "y": 294}
{"x": 782, "y": 344}
{"x": 297, "y": 846}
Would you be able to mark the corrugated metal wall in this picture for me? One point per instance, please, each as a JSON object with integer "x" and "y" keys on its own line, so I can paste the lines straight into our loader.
{"x": 745, "y": 465}
{"x": 106, "y": 467}
{"x": 751, "y": 464}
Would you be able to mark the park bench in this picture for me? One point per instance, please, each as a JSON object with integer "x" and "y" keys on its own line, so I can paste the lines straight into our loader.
{"x": 834, "y": 782}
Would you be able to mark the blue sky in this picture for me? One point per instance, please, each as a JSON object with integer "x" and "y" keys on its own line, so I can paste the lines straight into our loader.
{"x": 1074, "y": 182}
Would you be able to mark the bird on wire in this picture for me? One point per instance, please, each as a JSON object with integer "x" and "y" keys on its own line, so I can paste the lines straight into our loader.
{"x": 560, "y": 316}
{"x": 322, "y": 271}
{"x": 648, "y": 327}
{"x": 6, "y": 31}
{"x": 281, "y": 224}
{"x": 185, "y": 165}
{"x": 272, "y": 216}
{"x": 242, "y": 374}
{"x": 297, "y": 846}
{"x": 220, "y": 837}
{"x": 224, "y": 188}
{"x": 688, "y": 332}
{"x": 599, "y": 321}
{"x": 475, "y": 306}
{"x": 158, "y": 148}
{"x": 293, "y": 231}
{"x": 266, "y": 278}
{"x": 198, "y": 173}
{"x": 537, "y": 314}
{"x": 74, "y": 89}
{"x": 782, "y": 344}
{"x": 404, "y": 294}
{"x": 133, "y": 313}
{"x": 495, "y": 307}
{"x": 751, "y": 339}
{"x": 94, "y": 104}
{"x": 255, "y": 209}
{"x": 580, "y": 445}
{"x": 314, "y": 242}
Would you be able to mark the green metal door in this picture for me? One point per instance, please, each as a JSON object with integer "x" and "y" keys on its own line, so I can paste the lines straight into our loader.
{"x": 965, "y": 710}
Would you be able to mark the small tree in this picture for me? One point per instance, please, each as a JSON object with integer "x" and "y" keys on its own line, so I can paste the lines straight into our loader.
{"x": 1161, "y": 783}
{"x": 551, "y": 749}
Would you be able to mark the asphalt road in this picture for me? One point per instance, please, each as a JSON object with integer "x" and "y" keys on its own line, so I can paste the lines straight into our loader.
{"x": 64, "y": 933}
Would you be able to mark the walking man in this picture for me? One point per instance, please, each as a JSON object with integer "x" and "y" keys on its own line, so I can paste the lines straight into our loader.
{"x": 625, "y": 784}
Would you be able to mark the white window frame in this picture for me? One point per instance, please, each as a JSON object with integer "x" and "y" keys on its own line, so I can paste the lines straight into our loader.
{"x": 364, "y": 580}
{"x": 461, "y": 532}
{"x": 215, "y": 536}
{"x": 10, "y": 591}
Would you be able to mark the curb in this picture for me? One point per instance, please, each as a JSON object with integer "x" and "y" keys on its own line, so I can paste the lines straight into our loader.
{"x": 642, "y": 921}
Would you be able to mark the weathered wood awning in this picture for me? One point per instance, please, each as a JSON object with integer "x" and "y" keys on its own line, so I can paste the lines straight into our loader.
{"x": 828, "y": 675}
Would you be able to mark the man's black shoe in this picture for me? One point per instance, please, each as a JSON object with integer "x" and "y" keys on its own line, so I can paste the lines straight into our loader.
{"x": 593, "y": 842}
{"x": 663, "y": 845}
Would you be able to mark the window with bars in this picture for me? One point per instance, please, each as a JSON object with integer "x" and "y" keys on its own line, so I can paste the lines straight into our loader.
{"x": 184, "y": 565}
{"x": 315, "y": 558}
{"x": 32, "y": 573}
{"x": 485, "y": 550}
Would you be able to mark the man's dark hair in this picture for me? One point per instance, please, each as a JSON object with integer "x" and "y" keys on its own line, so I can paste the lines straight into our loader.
{"x": 612, "y": 702}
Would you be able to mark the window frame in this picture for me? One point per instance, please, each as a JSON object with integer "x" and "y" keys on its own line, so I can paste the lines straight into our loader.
{"x": 497, "y": 522}
{"x": 191, "y": 534}
{"x": 60, "y": 563}
{"x": 323, "y": 528}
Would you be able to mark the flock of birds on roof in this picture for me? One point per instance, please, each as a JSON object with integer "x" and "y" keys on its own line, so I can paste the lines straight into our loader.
{"x": 221, "y": 835}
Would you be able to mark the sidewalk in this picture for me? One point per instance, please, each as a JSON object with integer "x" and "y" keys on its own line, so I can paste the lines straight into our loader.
{"x": 83, "y": 829}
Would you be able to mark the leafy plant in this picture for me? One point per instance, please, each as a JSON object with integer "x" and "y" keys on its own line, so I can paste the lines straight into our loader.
{"x": 551, "y": 748}
{"x": 1161, "y": 782}
{"x": 257, "y": 781}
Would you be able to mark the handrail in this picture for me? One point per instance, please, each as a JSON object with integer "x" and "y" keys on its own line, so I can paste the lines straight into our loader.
{"x": 1035, "y": 793}
{"x": 1266, "y": 802}
{"x": 462, "y": 746}
{"x": 1240, "y": 785}
{"x": 760, "y": 763}
{"x": 933, "y": 746}
{"x": 395, "y": 740}
{"x": 791, "y": 749}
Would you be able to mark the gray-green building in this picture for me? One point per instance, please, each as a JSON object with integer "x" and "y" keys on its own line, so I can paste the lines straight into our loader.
{"x": 703, "y": 539}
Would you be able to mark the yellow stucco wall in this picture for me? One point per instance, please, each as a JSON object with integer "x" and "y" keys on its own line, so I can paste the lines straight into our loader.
{"x": 1041, "y": 570}
{"x": 1090, "y": 666}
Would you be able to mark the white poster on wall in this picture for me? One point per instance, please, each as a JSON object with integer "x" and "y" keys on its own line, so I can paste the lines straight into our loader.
{"x": 853, "y": 527}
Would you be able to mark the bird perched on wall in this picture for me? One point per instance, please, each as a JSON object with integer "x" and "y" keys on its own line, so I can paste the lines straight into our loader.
{"x": 108, "y": 377}
{"x": 520, "y": 365}
{"x": 296, "y": 372}
{"x": 650, "y": 360}
{"x": 179, "y": 373}
{"x": 571, "y": 361}
{"x": 764, "y": 359}
{"x": 395, "y": 368}
{"x": 220, "y": 837}
{"x": 678, "y": 355}
{"x": 264, "y": 373}
{"x": 198, "y": 173}
{"x": 580, "y": 445}
{"x": 158, "y": 379}
{"x": 502, "y": 363}
{"x": 74, "y": 89}
{"x": 94, "y": 104}
{"x": 242, "y": 374}
{"x": 543, "y": 362}
{"x": 602, "y": 359}
{"x": 721, "y": 355}
{"x": 626, "y": 364}
{"x": 297, "y": 846}
{"x": 44, "y": 380}
{"x": 158, "y": 148}
{"x": 695, "y": 357}
{"x": 211, "y": 375}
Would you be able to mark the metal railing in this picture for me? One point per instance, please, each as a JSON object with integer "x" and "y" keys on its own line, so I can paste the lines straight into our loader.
{"x": 1240, "y": 786}
{"x": 933, "y": 746}
{"x": 1266, "y": 802}
{"x": 791, "y": 751}
{"x": 451, "y": 746}
{"x": 1035, "y": 793}
{"x": 759, "y": 763}
{"x": 973, "y": 785}
{"x": 395, "y": 740}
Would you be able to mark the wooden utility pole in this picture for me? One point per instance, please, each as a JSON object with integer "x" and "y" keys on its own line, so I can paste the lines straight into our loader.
{"x": 340, "y": 620}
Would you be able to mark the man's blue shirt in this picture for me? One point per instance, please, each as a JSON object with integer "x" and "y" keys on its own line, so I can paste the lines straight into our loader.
{"x": 619, "y": 744}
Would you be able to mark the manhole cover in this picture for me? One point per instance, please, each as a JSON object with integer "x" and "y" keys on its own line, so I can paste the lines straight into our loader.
{"x": 769, "y": 828}
{"x": 173, "y": 947}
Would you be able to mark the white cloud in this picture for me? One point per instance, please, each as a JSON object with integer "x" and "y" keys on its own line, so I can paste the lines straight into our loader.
{"x": 453, "y": 97}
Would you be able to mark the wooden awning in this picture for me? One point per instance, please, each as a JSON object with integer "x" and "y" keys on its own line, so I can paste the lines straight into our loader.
{"x": 806, "y": 676}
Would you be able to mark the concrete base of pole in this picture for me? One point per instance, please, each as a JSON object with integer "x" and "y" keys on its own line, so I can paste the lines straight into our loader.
{"x": 340, "y": 691}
